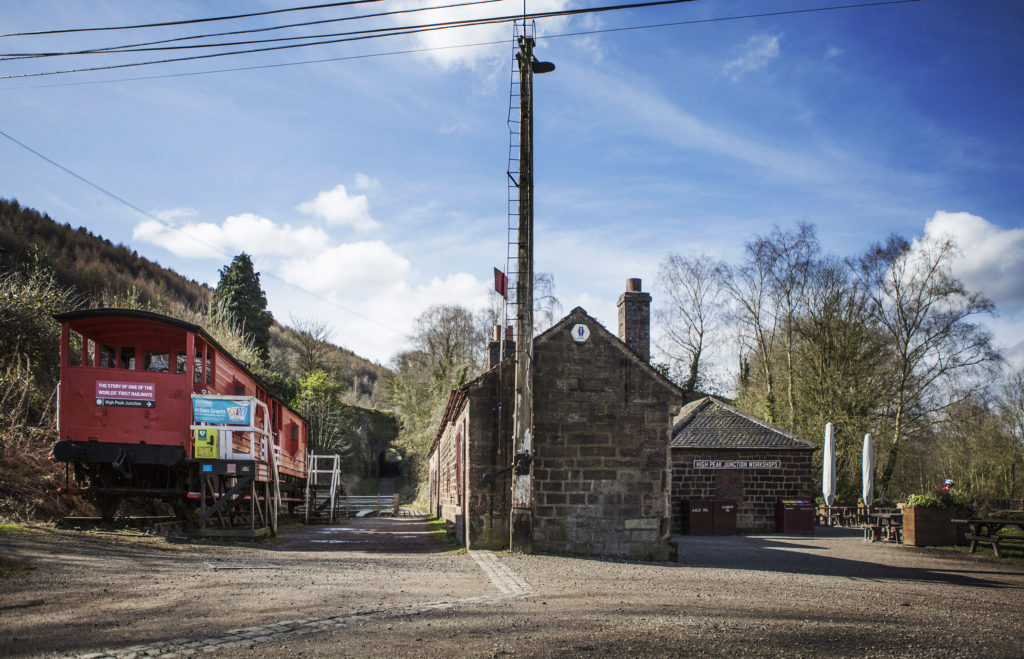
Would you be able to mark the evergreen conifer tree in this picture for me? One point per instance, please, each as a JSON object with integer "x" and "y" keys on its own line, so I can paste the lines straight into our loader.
{"x": 240, "y": 296}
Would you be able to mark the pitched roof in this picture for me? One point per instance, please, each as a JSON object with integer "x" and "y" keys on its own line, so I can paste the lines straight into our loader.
{"x": 578, "y": 315}
{"x": 710, "y": 423}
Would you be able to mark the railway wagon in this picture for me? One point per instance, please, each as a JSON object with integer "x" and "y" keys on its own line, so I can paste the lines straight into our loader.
{"x": 125, "y": 409}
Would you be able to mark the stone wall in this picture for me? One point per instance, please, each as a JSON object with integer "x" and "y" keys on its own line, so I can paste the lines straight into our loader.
{"x": 601, "y": 452}
{"x": 447, "y": 474}
{"x": 489, "y": 504}
{"x": 755, "y": 490}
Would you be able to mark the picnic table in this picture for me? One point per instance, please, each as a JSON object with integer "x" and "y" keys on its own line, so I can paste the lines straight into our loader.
{"x": 886, "y": 526}
{"x": 836, "y": 516}
{"x": 982, "y": 529}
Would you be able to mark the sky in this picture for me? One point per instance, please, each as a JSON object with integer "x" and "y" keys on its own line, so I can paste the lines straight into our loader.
{"x": 372, "y": 183}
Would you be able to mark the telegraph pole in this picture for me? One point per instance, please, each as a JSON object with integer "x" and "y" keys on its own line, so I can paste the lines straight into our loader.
{"x": 521, "y": 532}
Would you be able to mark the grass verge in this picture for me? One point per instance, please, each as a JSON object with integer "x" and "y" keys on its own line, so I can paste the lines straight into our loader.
{"x": 439, "y": 532}
{"x": 1009, "y": 553}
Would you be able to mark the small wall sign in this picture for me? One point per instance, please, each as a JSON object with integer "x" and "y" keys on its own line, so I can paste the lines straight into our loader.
{"x": 580, "y": 333}
{"x": 737, "y": 464}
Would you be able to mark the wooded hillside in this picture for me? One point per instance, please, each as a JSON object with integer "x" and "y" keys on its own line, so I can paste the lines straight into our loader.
{"x": 97, "y": 268}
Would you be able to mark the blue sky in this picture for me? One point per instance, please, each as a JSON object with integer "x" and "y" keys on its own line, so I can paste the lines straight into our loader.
{"x": 379, "y": 183}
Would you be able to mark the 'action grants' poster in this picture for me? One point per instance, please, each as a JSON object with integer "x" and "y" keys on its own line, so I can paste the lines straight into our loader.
{"x": 216, "y": 412}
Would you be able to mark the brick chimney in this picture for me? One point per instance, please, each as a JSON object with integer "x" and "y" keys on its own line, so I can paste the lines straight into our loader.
{"x": 494, "y": 348}
{"x": 635, "y": 319}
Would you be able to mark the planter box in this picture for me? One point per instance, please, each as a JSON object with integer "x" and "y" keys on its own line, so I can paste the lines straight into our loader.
{"x": 930, "y": 526}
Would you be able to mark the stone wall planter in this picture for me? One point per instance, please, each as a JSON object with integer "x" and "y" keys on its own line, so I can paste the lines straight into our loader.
{"x": 929, "y": 526}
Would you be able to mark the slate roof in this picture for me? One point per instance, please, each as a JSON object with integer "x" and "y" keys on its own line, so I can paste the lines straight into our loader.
{"x": 710, "y": 423}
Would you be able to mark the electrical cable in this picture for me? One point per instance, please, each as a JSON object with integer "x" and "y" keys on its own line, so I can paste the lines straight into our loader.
{"x": 216, "y": 248}
{"x": 367, "y": 34}
{"x": 192, "y": 21}
{"x": 457, "y": 46}
{"x": 124, "y": 48}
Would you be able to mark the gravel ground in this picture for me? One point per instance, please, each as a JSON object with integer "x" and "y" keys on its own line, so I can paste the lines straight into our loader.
{"x": 382, "y": 587}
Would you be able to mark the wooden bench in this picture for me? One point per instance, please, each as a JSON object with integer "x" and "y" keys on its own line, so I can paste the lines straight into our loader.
{"x": 872, "y": 531}
{"x": 993, "y": 539}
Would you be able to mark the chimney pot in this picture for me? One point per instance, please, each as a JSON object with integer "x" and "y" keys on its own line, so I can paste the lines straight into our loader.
{"x": 633, "y": 285}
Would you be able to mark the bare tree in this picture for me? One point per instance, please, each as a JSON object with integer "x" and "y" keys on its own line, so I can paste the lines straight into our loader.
{"x": 693, "y": 312}
{"x": 926, "y": 314}
{"x": 546, "y": 307}
{"x": 757, "y": 311}
{"x": 793, "y": 256}
{"x": 842, "y": 365}
{"x": 309, "y": 340}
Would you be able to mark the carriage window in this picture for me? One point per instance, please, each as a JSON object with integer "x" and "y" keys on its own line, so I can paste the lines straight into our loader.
{"x": 157, "y": 361}
{"x": 209, "y": 368}
{"x": 180, "y": 361}
{"x": 198, "y": 376}
{"x": 295, "y": 432}
{"x": 108, "y": 356}
{"x": 74, "y": 348}
{"x": 127, "y": 358}
{"x": 239, "y": 389}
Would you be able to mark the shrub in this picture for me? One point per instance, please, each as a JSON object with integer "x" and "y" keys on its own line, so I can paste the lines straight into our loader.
{"x": 940, "y": 499}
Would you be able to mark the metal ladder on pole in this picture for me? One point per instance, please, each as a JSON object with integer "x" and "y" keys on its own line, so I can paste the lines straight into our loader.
{"x": 514, "y": 133}
{"x": 323, "y": 481}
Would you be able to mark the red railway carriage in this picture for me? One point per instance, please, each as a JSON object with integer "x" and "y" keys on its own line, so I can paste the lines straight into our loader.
{"x": 124, "y": 410}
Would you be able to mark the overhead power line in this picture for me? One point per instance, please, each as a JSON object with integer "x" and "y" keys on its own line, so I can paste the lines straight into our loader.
{"x": 191, "y": 21}
{"x": 216, "y": 248}
{"x": 127, "y": 48}
{"x": 366, "y": 34}
{"x": 411, "y": 51}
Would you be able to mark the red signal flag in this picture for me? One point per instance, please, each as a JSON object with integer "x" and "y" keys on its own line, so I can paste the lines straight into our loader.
{"x": 501, "y": 283}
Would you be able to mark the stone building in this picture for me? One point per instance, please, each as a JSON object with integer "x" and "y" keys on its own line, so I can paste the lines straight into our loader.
{"x": 720, "y": 452}
{"x": 602, "y": 421}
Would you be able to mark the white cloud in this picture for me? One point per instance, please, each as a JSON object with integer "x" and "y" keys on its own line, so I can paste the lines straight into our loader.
{"x": 444, "y": 43}
{"x": 256, "y": 235}
{"x": 651, "y": 111}
{"x": 833, "y": 51}
{"x": 371, "y": 266}
{"x": 174, "y": 214}
{"x": 457, "y": 127}
{"x": 392, "y": 299}
{"x": 364, "y": 182}
{"x": 990, "y": 259}
{"x": 338, "y": 207}
{"x": 758, "y": 51}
